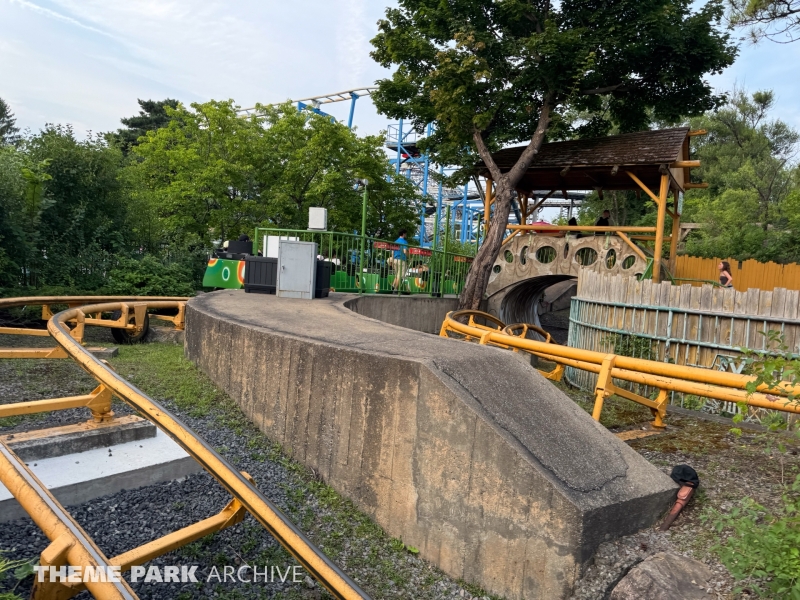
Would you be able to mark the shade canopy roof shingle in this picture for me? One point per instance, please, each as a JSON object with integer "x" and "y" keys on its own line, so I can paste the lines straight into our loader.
{"x": 600, "y": 162}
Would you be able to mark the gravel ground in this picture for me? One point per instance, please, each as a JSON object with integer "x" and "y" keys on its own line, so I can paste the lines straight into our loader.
{"x": 130, "y": 518}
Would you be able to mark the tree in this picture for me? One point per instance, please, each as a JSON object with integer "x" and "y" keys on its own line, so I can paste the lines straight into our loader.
{"x": 777, "y": 20}
{"x": 8, "y": 129}
{"x": 213, "y": 174}
{"x": 75, "y": 211}
{"x": 748, "y": 160}
{"x": 152, "y": 116}
{"x": 13, "y": 246}
{"x": 489, "y": 74}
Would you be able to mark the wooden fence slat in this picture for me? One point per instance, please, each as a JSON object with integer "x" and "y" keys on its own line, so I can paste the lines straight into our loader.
{"x": 752, "y": 274}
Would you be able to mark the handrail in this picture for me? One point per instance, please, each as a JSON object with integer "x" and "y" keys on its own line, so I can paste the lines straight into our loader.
{"x": 314, "y": 561}
{"x": 81, "y": 300}
{"x": 730, "y": 387}
{"x": 597, "y": 228}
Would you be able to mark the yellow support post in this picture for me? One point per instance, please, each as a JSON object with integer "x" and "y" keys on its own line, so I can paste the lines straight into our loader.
{"x": 660, "y": 412}
{"x": 233, "y": 513}
{"x": 604, "y": 387}
{"x": 633, "y": 246}
{"x": 662, "y": 212}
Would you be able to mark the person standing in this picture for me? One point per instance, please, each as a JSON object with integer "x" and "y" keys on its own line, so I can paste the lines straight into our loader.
{"x": 725, "y": 277}
{"x": 400, "y": 259}
{"x": 603, "y": 221}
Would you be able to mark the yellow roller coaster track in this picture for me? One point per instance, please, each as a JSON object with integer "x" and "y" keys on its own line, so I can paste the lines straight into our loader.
{"x": 70, "y": 545}
{"x": 665, "y": 377}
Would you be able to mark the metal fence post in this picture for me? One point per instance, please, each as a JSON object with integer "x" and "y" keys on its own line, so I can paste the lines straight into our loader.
{"x": 444, "y": 249}
{"x": 363, "y": 233}
{"x": 434, "y": 257}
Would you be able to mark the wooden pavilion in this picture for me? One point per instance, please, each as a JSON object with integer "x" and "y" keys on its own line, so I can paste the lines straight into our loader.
{"x": 656, "y": 162}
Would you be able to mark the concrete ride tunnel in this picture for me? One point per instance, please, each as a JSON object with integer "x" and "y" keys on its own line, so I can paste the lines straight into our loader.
{"x": 523, "y": 300}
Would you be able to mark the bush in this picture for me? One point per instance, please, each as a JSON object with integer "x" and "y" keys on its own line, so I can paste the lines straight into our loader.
{"x": 763, "y": 550}
{"x": 147, "y": 276}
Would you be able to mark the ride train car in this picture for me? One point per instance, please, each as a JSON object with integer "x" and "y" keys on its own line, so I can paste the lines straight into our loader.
{"x": 226, "y": 270}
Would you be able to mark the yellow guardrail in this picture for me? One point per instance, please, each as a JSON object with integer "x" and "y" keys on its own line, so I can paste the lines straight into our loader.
{"x": 665, "y": 377}
{"x": 70, "y": 544}
{"x": 131, "y": 319}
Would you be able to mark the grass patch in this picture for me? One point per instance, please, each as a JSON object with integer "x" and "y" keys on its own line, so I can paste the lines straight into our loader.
{"x": 161, "y": 371}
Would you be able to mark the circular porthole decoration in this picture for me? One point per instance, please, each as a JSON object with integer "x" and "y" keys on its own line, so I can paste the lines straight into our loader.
{"x": 546, "y": 254}
{"x": 586, "y": 256}
{"x": 628, "y": 262}
{"x": 508, "y": 256}
{"x": 496, "y": 268}
{"x": 226, "y": 273}
{"x": 523, "y": 255}
{"x": 611, "y": 258}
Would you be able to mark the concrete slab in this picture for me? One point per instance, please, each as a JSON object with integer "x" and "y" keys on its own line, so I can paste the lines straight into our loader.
{"x": 77, "y": 478}
{"x": 80, "y": 437}
{"x": 104, "y": 352}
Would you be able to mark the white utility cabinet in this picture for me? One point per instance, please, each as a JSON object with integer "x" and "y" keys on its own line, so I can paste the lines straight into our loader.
{"x": 297, "y": 269}
{"x": 318, "y": 218}
{"x": 272, "y": 242}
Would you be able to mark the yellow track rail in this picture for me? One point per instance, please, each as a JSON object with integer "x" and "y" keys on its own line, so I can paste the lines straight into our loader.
{"x": 70, "y": 544}
{"x": 665, "y": 377}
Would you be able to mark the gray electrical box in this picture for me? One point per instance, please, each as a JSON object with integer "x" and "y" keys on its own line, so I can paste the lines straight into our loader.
{"x": 297, "y": 269}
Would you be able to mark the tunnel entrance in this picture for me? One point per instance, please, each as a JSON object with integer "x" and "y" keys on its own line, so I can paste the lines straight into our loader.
{"x": 544, "y": 301}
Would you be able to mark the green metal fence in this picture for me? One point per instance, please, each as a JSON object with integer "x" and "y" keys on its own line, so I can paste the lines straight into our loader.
{"x": 366, "y": 265}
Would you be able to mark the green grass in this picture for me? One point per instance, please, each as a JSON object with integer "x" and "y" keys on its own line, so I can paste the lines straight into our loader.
{"x": 161, "y": 371}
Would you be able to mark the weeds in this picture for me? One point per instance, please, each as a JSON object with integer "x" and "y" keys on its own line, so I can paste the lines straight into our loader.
{"x": 762, "y": 549}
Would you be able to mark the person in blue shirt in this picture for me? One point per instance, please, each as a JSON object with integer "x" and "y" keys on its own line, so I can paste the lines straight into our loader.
{"x": 400, "y": 260}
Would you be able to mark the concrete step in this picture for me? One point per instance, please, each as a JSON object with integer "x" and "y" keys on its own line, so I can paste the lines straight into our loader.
{"x": 70, "y": 439}
{"x": 80, "y": 477}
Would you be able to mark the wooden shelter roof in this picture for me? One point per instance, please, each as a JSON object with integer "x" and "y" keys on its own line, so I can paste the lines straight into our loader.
{"x": 601, "y": 162}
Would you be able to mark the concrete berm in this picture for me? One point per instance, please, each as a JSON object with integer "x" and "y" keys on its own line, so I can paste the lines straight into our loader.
{"x": 461, "y": 450}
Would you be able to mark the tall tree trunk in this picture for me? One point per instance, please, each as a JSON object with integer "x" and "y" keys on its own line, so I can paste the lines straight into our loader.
{"x": 479, "y": 272}
{"x": 478, "y": 276}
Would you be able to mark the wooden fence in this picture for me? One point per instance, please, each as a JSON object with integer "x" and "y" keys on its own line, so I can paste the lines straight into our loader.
{"x": 702, "y": 326}
{"x": 746, "y": 274}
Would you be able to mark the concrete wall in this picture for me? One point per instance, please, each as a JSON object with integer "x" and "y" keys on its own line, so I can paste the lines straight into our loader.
{"x": 420, "y": 313}
{"x": 458, "y": 449}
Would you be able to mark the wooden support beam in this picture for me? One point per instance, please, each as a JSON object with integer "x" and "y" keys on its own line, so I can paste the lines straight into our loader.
{"x": 662, "y": 213}
{"x": 633, "y": 246}
{"x": 644, "y": 187}
{"x": 695, "y": 186}
{"x": 510, "y": 237}
{"x": 649, "y": 238}
{"x": 698, "y": 132}
{"x": 685, "y": 164}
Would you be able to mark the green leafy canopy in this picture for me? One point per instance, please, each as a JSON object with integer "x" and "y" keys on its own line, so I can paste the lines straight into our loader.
{"x": 214, "y": 174}
{"x": 487, "y": 66}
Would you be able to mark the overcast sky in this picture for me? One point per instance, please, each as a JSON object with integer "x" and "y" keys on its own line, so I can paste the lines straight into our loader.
{"x": 86, "y": 62}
